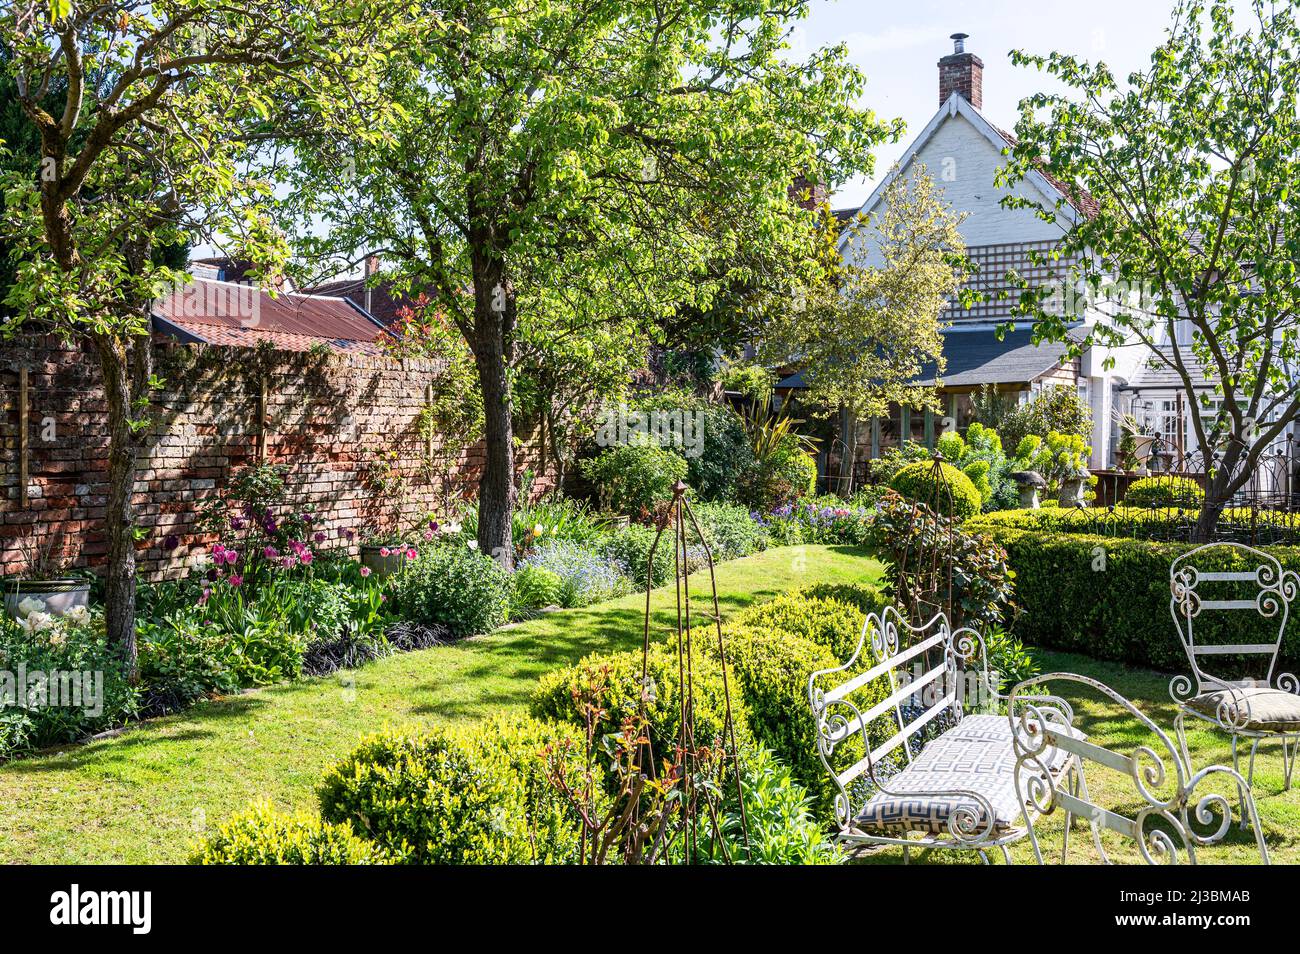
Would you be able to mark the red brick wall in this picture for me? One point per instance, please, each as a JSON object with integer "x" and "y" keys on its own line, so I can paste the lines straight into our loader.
{"x": 328, "y": 418}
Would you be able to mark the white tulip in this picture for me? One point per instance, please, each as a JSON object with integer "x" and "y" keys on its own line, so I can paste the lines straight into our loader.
{"x": 31, "y": 604}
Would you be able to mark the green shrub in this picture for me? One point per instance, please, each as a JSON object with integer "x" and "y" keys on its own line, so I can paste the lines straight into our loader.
{"x": 629, "y": 548}
{"x": 635, "y": 478}
{"x": 456, "y": 586}
{"x": 515, "y": 746}
{"x": 954, "y": 495}
{"x": 932, "y": 563}
{"x": 780, "y": 477}
{"x": 730, "y": 530}
{"x": 1165, "y": 492}
{"x": 67, "y": 644}
{"x": 826, "y": 519}
{"x": 724, "y": 451}
{"x": 1139, "y": 523}
{"x": 554, "y": 696}
{"x": 826, "y": 622}
{"x": 778, "y": 817}
{"x": 262, "y": 836}
{"x": 865, "y": 596}
{"x": 181, "y": 661}
{"x": 1108, "y": 597}
{"x": 425, "y": 797}
{"x": 535, "y": 587}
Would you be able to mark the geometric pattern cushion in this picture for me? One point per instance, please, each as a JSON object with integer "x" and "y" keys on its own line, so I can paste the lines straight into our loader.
{"x": 974, "y": 755}
{"x": 1262, "y": 709}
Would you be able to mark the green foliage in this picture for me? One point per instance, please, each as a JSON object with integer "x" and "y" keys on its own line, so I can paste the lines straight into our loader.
{"x": 927, "y": 554}
{"x": 1209, "y": 240}
{"x": 456, "y": 586}
{"x": 515, "y": 746}
{"x": 181, "y": 662}
{"x": 1165, "y": 492}
{"x": 778, "y": 817}
{"x": 535, "y": 588}
{"x": 1055, "y": 458}
{"x": 950, "y": 491}
{"x": 1140, "y": 523}
{"x": 635, "y": 478}
{"x": 825, "y": 621}
{"x": 865, "y": 597}
{"x": 751, "y": 380}
{"x": 555, "y": 696}
{"x": 729, "y": 529}
{"x": 1007, "y": 658}
{"x": 1108, "y": 597}
{"x": 864, "y": 333}
{"x": 423, "y": 796}
{"x": 1057, "y": 408}
{"x": 263, "y": 836}
{"x": 981, "y": 458}
{"x": 780, "y": 475}
{"x": 42, "y": 644}
{"x": 629, "y": 548}
{"x": 825, "y": 519}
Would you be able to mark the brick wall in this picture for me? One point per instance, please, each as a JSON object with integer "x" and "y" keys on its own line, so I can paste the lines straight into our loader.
{"x": 328, "y": 418}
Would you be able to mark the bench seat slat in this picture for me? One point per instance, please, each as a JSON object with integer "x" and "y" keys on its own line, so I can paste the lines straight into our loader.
{"x": 893, "y": 662}
{"x": 1068, "y": 743}
{"x": 890, "y": 701}
{"x": 1234, "y": 649}
{"x": 1227, "y": 576}
{"x": 897, "y": 739}
{"x": 1229, "y": 604}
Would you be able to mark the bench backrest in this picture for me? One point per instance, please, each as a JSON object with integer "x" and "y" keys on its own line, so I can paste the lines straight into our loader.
{"x": 1167, "y": 827}
{"x": 1255, "y": 594}
{"x": 899, "y": 680}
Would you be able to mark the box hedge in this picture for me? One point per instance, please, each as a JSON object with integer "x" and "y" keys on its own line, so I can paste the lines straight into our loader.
{"x": 1108, "y": 597}
{"x": 263, "y": 836}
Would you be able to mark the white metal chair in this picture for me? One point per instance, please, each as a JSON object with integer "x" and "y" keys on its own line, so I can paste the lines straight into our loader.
{"x": 1172, "y": 822}
{"x": 1245, "y": 708}
{"x": 958, "y": 790}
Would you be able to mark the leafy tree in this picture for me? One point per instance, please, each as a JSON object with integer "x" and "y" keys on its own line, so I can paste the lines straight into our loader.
{"x": 617, "y": 149}
{"x": 1192, "y": 162}
{"x": 143, "y": 112}
{"x": 864, "y": 334}
{"x": 1056, "y": 408}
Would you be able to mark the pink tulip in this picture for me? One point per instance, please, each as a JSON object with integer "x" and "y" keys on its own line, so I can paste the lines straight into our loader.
{"x": 412, "y": 553}
{"x": 306, "y": 557}
{"x": 384, "y": 551}
{"x": 235, "y": 580}
{"x": 365, "y": 571}
{"x": 270, "y": 553}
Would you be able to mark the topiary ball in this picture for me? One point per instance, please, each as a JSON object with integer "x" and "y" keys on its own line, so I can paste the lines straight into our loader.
{"x": 952, "y": 494}
{"x": 1165, "y": 492}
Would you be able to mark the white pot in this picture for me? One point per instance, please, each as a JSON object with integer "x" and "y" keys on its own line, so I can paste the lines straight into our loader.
{"x": 57, "y": 596}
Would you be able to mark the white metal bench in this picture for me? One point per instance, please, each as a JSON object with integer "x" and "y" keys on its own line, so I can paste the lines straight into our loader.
{"x": 1170, "y": 823}
{"x": 958, "y": 791}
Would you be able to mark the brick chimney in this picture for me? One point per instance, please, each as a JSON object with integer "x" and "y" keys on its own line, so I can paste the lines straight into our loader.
{"x": 806, "y": 195}
{"x": 961, "y": 72}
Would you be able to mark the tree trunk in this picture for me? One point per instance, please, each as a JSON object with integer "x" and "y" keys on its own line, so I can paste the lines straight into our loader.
{"x": 119, "y": 515}
{"x": 1218, "y": 492}
{"x": 494, "y": 314}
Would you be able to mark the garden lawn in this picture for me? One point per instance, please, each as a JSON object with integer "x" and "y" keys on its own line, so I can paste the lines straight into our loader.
{"x": 146, "y": 794}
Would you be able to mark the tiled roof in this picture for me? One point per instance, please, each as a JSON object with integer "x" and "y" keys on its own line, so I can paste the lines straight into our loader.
{"x": 976, "y": 356}
{"x": 384, "y": 305}
{"x": 228, "y": 313}
{"x": 1155, "y": 374}
{"x": 1082, "y": 200}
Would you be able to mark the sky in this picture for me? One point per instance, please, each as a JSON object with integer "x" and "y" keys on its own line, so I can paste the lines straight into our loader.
{"x": 897, "y": 44}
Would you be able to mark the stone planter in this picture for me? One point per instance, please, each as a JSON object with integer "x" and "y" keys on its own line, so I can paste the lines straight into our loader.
{"x": 1028, "y": 483}
{"x": 1072, "y": 492}
{"x": 57, "y": 596}
{"x": 381, "y": 566}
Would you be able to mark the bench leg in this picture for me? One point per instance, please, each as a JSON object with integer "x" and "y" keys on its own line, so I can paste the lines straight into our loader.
{"x": 907, "y": 854}
{"x": 1006, "y": 854}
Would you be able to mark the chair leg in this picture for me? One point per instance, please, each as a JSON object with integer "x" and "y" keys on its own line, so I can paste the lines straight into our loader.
{"x": 985, "y": 856}
{"x": 1288, "y": 762}
{"x": 1180, "y": 729}
{"x": 907, "y": 854}
{"x": 1006, "y": 854}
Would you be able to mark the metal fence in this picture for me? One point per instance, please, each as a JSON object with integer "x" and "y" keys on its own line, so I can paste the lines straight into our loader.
{"x": 1264, "y": 510}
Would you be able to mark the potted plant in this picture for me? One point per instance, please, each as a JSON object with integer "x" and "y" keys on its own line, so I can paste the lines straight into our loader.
{"x": 45, "y": 587}
{"x": 385, "y": 553}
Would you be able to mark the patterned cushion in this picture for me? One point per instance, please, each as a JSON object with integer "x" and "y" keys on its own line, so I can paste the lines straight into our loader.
{"x": 1253, "y": 708}
{"x": 975, "y": 755}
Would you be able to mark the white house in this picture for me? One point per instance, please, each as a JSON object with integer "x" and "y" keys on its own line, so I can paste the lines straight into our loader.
{"x": 962, "y": 150}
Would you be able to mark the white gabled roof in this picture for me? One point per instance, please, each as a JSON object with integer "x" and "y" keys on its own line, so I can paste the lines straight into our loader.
{"x": 959, "y": 105}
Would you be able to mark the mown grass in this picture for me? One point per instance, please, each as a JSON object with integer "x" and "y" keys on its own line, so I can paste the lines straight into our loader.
{"x": 143, "y": 796}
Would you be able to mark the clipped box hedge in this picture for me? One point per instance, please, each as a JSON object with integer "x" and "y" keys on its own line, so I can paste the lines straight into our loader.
{"x": 1108, "y": 597}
